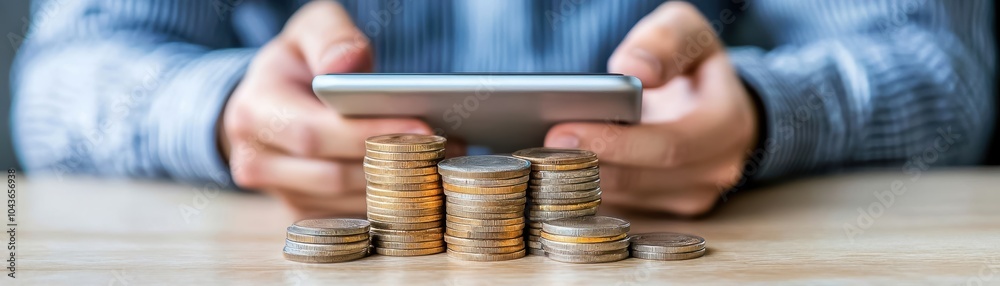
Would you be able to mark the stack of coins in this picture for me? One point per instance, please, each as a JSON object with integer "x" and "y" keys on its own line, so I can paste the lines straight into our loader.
{"x": 327, "y": 240}
{"x": 405, "y": 202}
{"x": 485, "y": 208}
{"x": 564, "y": 183}
{"x": 592, "y": 239}
{"x": 667, "y": 246}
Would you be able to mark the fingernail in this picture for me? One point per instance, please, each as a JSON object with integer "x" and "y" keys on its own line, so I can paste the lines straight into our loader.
{"x": 565, "y": 141}
{"x": 649, "y": 61}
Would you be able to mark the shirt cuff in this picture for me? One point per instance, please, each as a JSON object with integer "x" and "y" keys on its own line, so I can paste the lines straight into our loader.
{"x": 188, "y": 110}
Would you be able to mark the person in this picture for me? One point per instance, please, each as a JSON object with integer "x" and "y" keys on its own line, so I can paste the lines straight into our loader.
{"x": 213, "y": 91}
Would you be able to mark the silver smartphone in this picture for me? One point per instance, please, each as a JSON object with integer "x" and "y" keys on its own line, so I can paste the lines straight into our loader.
{"x": 502, "y": 112}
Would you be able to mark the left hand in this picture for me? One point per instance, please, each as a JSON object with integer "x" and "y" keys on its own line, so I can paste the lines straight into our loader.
{"x": 698, "y": 120}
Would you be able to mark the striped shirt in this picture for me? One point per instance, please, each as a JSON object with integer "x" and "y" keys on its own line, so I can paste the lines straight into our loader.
{"x": 130, "y": 88}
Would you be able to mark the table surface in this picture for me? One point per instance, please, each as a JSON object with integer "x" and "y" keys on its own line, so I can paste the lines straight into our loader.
{"x": 941, "y": 228}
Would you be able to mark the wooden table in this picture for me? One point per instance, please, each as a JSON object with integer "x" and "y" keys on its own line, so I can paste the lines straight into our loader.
{"x": 944, "y": 229}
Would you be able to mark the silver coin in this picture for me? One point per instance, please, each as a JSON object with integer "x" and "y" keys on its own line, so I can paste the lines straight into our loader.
{"x": 536, "y": 251}
{"x": 584, "y": 247}
{"x": 465, "y": 196}
{"x": 555, "y": 156}
{"x": 481, "y": 215}
{"x": 534, "y": 244}
{"x": 592, "y": 171}
{"x": 668, "y": 256}
{"x": 587, "y": 226}
{"x": 564, "y": 195}
{"x": 566, "y": 188}
{"x": 582, "y": 252}
{"x": 321, "y": 256}
{"x": 335, "y": 249}
{"x": 551, "y": 215}
{"x": 602, "y": 258}
{"x": 484, "y": 182}
{"x": 460, "y": 201}
{"x": 483, "y": 167}
{"x": 563, "y": 181}
{"x": 330, "y": 226}
{"x": 449, "y": 207}
{"x": 565, "y": 201}
{"x": 667, "y": 242}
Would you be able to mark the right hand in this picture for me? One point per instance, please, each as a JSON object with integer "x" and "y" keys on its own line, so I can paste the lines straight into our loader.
{"x": 280, "y": 139}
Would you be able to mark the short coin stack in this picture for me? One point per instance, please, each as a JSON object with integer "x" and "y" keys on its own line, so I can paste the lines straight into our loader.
{"x": 485, "y": 208}
{"x": 327, "y": 240}
{"x": 667, "y": 246}
{"x": 564, "y": 183}
{"x": 405, "y": 202}
{"x": 591, "y": 239}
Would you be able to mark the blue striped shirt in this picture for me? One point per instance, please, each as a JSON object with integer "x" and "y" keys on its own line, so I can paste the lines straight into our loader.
{"x": 128, "y": 88}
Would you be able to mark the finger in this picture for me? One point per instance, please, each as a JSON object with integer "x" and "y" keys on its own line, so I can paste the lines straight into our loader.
{"x": 328, "y": 39}
{"x": 689, "y": 203}
{"x": 639, "y": 145}
{"x": 307, "y": 207}
{"x": 270, "y": 170}
{"x": 664, "y": 44}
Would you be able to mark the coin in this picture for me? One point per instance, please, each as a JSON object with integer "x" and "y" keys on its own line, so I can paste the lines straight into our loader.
{"x": 483, "y": 235}
{"x": 405, "y": 226}
{"x": 564, "y": 181}
{"x": 581, "y": 252}
{"x": 479, "y": 215}
{"x": 517, "y": 201}
{"x": 405, "y": 143}
{"x": 484, "y": 167}
{"x": 465, "y": 196}
{"x": 416, "y": 212}
{"x": 388, "y": 199}
{"x": 580, "y": 206}
{"x": 534, "y": 244}
{"x": 400, "y": 164}
{"x": 565, "y": 195}
{"x": 409, "y": 252}
{"x": 408, "y": 245}
{"x": 601, "y": 258}
{"x": 513, "y": 189}
{"x": 405, "y": 194}
{"x": 600, "y": 246}
{"x": 534, "y": 238}
{"x": 551, "y": 215}
{"x": 402, "y": 179}
{"x": 406, "y": 206}
{"x": 436, "y": 230}
{"x": 589, "y": 226}
{"x": 412, "y": 156}
{"x": 320, "y": 256}
{"x": 484, "y": 209}
{"x": 485, "y": 222}
{"x": 565, "y": 201}
{"x": 399, "y": 172}
{"x": 581, "y": 239}
{"x": 420, "y": 237}
{"x": 335, "y": 249}
{"x": 484, "y": 182}
{"x": 471, "y": 249}
{"x": 667, "y": 242}
{"x": 536, "y": 251}
{"x": 326, "y": 239}
{"x": 404, "y": 187}
{"x": 486, "y": 256}
{"x": 534, "y": 231}
{"x": 485, "y": 228}
{"x": 566, "y": 167}
{"x": 668, "y": 256}
{"x": 331, "y": 226}
{"x": 404, "y": 219}
{"x": 535, "y": 224}
{"x": 587, "y": 172}
{"x": 451, "y": 240}
{"x": 555, "y": 156}
{"x": 566, "y": 188}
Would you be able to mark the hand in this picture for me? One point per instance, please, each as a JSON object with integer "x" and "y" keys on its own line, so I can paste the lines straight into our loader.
{"x": 698, "y": 121}
{"x": 281, "y": 139}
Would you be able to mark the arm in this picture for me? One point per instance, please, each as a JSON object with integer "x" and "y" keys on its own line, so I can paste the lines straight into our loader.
{"x": 125, "y": 89}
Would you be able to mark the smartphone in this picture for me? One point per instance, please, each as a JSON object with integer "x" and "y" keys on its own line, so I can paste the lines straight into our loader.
{"x": 502, "y": 112}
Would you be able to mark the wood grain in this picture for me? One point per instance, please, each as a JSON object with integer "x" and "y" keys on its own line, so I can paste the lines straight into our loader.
{"x": 944, "y": 229}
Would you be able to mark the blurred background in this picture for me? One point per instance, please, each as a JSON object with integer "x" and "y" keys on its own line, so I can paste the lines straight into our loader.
{"x": 13, "y": 17}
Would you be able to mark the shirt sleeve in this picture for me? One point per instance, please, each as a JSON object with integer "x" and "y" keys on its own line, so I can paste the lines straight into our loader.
{"x": 905, "y": 84}
{"x": 125, "y": 88}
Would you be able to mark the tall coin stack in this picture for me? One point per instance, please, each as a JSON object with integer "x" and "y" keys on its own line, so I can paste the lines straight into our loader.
{"x": 591, "y": 239}
{"x": 327, "y": 240}
{"x": 564, "y": 183}
{"x": 405, "y": 202}
{"x": 485, "y": 208}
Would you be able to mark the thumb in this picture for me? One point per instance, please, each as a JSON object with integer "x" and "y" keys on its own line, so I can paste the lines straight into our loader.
{"x": 668, "y": 42}
{"x": 328, "y": 40}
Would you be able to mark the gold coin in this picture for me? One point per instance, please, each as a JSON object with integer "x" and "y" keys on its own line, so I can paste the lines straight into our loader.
{"x": 333, "y": 249}
{"x": 416, "y": 212}
{"x": 478, "y": 215}
{"x": 405, "y": 226}
{"x": 451, "y": 240}
{"x": 409, "y": 252}
{"x": 484, "y": 182}
{"x": 321, "y": 256}
{"x": 412, "y": 156}
{"x": 407, "y": 237}
{"x": 404, "y": 143}
{"x": 406, "y": 206}
{"x": 564, "y": 195}
{"x": 465, "y": 196}
{"x": 464, "y": 202}
{"x": 587, "y": 172}
{"x": 484, "y": 228}
{"x": 400, "y": 164}
{"x": 566, "y": 167}
{"x": 408, "y": 245}
{"x": 486, "y": 256}
{"x": 402, "y": 179}
{"x": 555, "y": 156}
{"x": 484, "y": 209}
{"x": 388, "y": 199}
{"x": 551, "y": 215}
{"x": 580, "y": 239}
{"x": 404, "y": 194}
{"x": 566, "y": 188}
{"x": 471, "y": 249}
{"x": 404, "y": 219}
{"x": 326, "y": 239}
{"x": 484, "y": 222}
{"x": 535, "y": 224}
{"x": 369, "y": 169}
{"x": 436, "y": 230}
{"x": 483, "y": 235}
{"x": 573, "y": 207}
{"x": 514, "y": 189}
